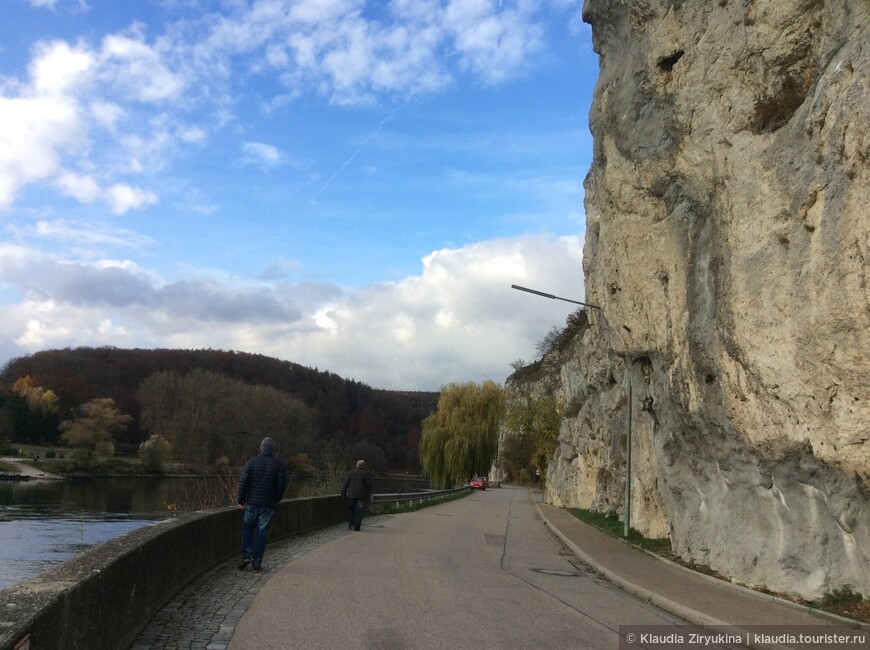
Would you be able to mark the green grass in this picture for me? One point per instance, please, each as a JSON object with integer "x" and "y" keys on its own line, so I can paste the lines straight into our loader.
{"x": 844, "y": 594}
{"x": 9, "y": 468}
{"x": 609, "y": 523}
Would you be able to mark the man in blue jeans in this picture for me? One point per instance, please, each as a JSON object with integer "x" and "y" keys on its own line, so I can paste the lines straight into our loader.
{"x": 356, "y": 489}
{"x": 261, "y": 487}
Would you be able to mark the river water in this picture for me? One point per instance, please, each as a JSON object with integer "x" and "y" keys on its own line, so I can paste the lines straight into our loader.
{"x": 46, "y": 522}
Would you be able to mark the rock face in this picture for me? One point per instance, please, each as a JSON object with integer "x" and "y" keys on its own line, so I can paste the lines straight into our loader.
{"x": 728, "y": 246}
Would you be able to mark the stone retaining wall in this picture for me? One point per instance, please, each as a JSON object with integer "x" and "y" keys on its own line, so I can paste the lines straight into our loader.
{"x": 105, "y": 597}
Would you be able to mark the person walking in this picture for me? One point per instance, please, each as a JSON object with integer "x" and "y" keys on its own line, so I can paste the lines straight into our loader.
{"x": 261, "y": 486}
{"x": 356, "y": 489}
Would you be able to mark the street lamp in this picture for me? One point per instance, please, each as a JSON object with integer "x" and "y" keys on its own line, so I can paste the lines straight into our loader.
{"x": 552, "y": 297}
{"x": 627, "y": 506}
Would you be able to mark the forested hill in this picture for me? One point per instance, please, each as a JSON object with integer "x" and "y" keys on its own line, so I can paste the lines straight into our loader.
{"x": 347, "y": 411}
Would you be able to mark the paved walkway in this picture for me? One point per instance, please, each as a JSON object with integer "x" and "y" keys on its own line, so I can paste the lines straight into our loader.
{"x": 699, "y": 598}
{"x": 205, "y": 614}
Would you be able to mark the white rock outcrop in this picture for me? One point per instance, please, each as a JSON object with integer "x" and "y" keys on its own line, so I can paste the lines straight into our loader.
{"x": 728, "y": 245}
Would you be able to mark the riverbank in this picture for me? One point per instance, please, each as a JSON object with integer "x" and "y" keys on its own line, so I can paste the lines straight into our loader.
{"x": 27, "y": 471}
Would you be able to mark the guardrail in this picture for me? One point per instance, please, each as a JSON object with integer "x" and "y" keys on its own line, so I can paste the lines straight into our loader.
{"x": 400, "y": 498}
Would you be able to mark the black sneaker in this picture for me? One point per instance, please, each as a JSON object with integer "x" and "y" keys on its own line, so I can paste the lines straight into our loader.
{"x": 245, "y": 562}
{"x": 257, "y": 567}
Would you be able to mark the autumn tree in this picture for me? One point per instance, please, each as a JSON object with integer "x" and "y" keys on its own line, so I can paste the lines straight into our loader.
{"x": 93, "y": 430}
{"x": 460, "y": 439}
{"x": 33, "y": 411}
{"x": 535, "y": 421}
{"x": 38, "y": 398}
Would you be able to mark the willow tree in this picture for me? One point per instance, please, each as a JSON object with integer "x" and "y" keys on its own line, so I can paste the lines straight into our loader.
{"x": 460, "y": 439}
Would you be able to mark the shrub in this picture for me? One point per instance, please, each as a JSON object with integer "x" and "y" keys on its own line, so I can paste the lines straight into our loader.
{"x": 155, "y": 453}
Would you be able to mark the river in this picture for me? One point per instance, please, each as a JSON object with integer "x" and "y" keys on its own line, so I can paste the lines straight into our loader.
{"x": 46, "y": 522}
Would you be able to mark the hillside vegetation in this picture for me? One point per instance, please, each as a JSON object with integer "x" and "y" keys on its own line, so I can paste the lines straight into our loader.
{"x": 212, "y": 404}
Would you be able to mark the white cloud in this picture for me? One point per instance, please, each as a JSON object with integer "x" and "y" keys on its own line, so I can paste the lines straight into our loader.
{"x": 261, "y": 154}
{"x": 59, "y": 69}
{"x": 107, "y": 114}
{"x": 47, "y": 121}
{"x": 137, "y": 70}
{"x": 458, "y": 320}
{"x": 459, "y": 316}
{"x": 89, "y": 237}
{"x": 493, "y": 43}
{"x": 83, "y": 188}
{"x": 191, "y": 134}
{"x": 354, "y": 51}
{"x": 122, "y": 197}
{"x": 34, "y": 132}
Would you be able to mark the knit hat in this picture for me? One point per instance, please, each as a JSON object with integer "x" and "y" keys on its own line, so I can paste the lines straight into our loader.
{"x": 268, "y": 445}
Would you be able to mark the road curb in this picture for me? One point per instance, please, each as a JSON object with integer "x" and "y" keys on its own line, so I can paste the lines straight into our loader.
{"x": 691, "y": 615}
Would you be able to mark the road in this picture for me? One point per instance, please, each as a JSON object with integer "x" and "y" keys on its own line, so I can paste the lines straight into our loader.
{"x": 27, "y": 470}
{"x": 479, "y": 572}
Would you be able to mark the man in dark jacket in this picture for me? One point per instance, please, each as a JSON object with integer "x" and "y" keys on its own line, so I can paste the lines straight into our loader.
{"x": 356, "y": 489}
{"x": 261, "y": 487}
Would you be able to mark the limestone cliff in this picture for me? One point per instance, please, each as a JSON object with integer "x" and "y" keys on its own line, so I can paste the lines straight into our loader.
{"x": 728, "y": 246}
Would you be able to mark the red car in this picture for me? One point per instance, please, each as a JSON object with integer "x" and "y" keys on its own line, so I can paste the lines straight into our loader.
{"x": 477, "y": 483}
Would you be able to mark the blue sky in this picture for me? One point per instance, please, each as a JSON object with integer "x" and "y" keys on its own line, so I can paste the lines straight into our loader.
{"x": 346, "y": 184}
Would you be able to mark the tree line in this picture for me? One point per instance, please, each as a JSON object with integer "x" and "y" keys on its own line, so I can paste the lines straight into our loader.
{"x": 211, "y": 404}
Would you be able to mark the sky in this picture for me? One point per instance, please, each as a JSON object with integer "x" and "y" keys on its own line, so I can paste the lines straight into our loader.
{"x": 351, "y": 185}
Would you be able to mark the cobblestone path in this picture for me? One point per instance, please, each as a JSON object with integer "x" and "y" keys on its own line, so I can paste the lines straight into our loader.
{"x": 204, "y": 614}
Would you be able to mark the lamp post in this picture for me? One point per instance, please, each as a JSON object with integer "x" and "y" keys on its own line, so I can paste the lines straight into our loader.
{"x": 627, "y": 506}
{"x": 552, "y": 297}
{"x": 627, "y": 509}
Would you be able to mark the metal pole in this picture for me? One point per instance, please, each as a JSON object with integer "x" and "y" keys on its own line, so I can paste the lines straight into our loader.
{"x": 552, "y": 297}
{"x": 628, "y": 462}
{"x": 627, "y": 507}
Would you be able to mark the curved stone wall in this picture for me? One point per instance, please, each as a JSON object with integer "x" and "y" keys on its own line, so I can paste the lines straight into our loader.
{"x": 105, "y": 597}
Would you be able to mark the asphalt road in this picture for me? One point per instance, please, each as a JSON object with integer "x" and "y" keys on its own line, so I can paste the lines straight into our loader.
{"x": 479, "y": 572}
